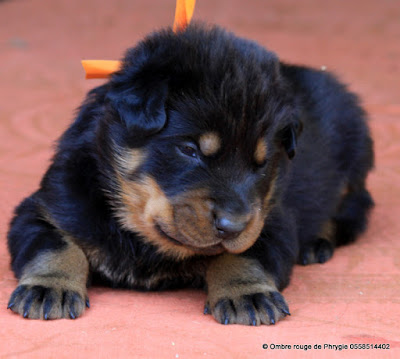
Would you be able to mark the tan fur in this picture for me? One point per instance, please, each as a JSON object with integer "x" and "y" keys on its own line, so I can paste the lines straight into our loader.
{"x": 247, "y": 238}
{"x": 260, "y": 153}
{"x": 128, "y": 160}
{"x": 62, "y": 270}
{"x": 270, "y": 194}
{"x": 210, "y": 143}
{"x": 143, "y": 202}
{"x": 328, "y": 231}
{"x": 345, "y": 191}
{"x": 231, "y": 277}
{"x": 193, "y": 218}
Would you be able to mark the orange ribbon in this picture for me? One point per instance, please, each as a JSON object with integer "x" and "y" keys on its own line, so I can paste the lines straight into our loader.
{"x": 100, "y": 69}
{"x": 183, "y": 14}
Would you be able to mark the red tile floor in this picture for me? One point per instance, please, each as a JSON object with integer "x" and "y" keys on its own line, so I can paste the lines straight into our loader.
{"x": 354, "y": 298}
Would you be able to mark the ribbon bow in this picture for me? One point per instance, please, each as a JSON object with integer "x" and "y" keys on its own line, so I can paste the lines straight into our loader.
{"x": 99, "y": 69}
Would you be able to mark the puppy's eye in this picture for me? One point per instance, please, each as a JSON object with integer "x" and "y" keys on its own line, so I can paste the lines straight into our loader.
{"x": 261, "y": 165}
{"x": 189, "y": 149}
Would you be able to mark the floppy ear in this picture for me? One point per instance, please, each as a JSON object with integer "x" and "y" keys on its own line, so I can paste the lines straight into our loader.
{"x": 289, "y": 135}
{"x": 142, "y": 107}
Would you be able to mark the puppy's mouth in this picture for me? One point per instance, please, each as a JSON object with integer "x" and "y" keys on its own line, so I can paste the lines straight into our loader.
{"x": 165, "y": 235}
{"x": 209, "y": 250}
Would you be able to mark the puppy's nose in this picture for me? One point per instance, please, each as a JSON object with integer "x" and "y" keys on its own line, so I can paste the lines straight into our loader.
{"x": 230, "y": 227}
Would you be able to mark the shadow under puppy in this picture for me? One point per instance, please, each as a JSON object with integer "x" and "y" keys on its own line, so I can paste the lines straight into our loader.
{"x": 203, "y": 162}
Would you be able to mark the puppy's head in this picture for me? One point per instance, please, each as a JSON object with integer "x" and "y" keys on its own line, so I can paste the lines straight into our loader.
{"x": 199, "y": 128}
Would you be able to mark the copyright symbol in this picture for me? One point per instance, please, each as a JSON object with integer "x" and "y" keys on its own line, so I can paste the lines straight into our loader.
{"x": 265, "y": 346}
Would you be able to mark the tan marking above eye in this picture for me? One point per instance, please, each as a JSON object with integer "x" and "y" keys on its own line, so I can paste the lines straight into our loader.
{"x": 210, "y": 143}
{"x": 260, "y": 154}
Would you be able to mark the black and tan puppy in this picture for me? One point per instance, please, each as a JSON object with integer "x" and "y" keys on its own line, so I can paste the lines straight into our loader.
{"x": 203, "y": 162}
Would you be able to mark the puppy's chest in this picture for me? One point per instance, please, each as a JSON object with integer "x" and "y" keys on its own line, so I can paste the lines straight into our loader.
{"x": 146, "y": 271}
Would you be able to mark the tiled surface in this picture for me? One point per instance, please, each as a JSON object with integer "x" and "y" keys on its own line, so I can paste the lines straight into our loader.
{"x": 355, "y": 298}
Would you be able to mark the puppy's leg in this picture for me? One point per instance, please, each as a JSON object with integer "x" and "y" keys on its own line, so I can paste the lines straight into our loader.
{"x": 241, "y": 292}
{"x": 352, "y": 216}
{"x": 244, "y": 288}
{"x": 51, "y": 268}
{"x": 350, "y": 221}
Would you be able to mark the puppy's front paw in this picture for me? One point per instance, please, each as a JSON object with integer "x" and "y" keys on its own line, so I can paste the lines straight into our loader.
{"x": 250, "y": 309}
{"x": 240, "y": 291}
{"x": 53, "y": 285}
{"x": 41, "y": 302}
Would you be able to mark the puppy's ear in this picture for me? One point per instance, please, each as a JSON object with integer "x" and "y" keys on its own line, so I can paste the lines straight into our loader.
{"x": 288, "y": 137}
{"x": 141, "y": 107}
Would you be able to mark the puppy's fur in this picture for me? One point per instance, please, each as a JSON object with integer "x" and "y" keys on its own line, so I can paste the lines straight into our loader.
{"x": 203, "y": 162}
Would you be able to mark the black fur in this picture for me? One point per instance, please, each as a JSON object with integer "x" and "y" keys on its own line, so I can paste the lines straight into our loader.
{"x": 171, "y": 89}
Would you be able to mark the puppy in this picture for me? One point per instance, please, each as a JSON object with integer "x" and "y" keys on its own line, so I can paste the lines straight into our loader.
{"x": 204, "y": 162}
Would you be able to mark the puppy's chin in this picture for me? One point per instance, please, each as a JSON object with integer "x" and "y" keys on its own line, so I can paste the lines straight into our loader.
{"x": 213, "y": 247}
{"x": 181, "y": 241}
{"x": 237, "y": 246}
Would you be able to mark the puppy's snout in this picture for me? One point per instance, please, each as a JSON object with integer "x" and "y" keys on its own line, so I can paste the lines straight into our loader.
{"x": 229, "y": 227}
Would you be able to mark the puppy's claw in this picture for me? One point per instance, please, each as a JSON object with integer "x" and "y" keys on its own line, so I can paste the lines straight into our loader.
{"x": 226, "y": 321}
{"x": 46, "y": 303}
{"x": 250, "y": 310}
{"x": 280, "y": 303}
{"x": 207, "y": 309}
{"x": 87, "y": 303}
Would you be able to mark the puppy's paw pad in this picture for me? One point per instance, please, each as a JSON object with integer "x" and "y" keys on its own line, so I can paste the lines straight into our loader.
{"x": 251, "y": 309}
{"x": 316, "y": 251}
{"x": 40, "y": 302}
